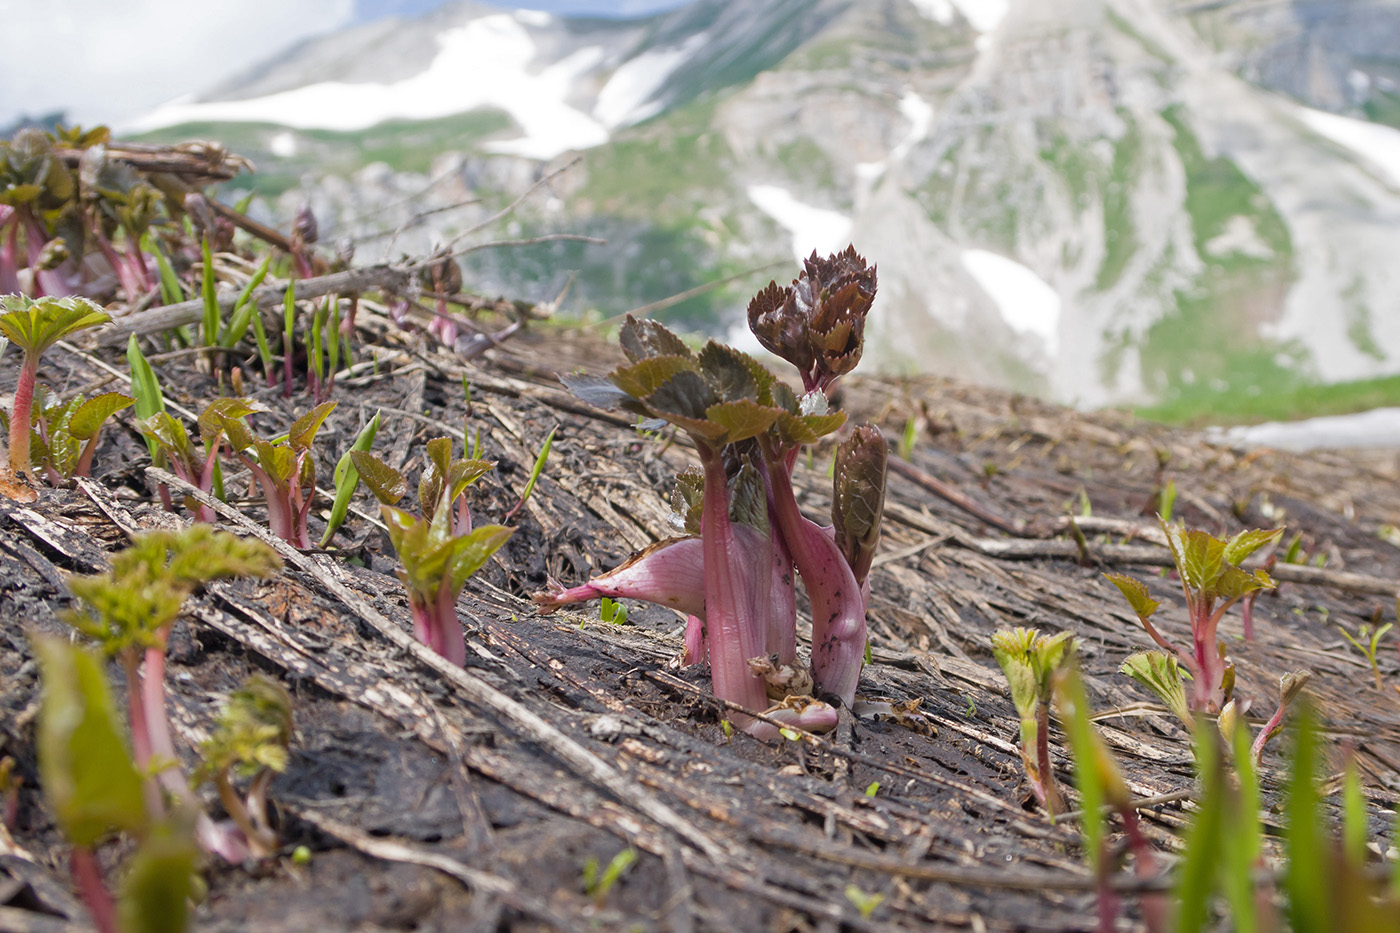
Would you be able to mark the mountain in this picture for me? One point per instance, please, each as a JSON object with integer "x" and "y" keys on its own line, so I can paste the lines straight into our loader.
{"x": 1103, "y": 201}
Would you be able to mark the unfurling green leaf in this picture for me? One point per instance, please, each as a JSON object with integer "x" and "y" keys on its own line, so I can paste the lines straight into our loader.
{"x": 1160, "y": 673}
{"x": 35, "y": 324}
{"x": 386, "y": 483}
{"x": 253, "y": 731}
{"x": 347, "y": 478}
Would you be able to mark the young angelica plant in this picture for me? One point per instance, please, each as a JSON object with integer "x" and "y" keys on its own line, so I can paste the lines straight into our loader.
{"x": 734, "y": 576}
{"x": 438, "y": 549}
{"x": 285, "y": 471}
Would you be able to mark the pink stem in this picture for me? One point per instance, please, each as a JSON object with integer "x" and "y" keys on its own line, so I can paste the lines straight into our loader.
{"x": 88, "y": 878}
{"x": 21, "y": 413}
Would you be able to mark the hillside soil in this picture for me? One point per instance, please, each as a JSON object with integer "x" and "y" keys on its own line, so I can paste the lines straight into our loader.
{"x": 434, "y": 799}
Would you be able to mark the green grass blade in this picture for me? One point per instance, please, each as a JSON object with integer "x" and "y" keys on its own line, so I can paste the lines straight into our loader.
{"x": 264, "y": 351}
{"x": 1196, "y": 876}
{"x": 171, "y": 291}
{"x": 1242, "y": 839}
{"x": 209, "y": 331}
{"x": 1305, "y": 879}
{"x": 243, "y": 309}
{"x": 146, "y": 388}
{"x": 1354, "y": 829}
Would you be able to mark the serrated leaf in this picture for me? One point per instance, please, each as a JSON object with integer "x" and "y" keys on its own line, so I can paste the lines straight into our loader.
{"x": 472, "y": 550}
{"x": 742, "y": 419}
{"x": 734, "y": 374}
{"x": 1203, "y": 562}
{"x": 88, "y": 419}
{"x": 808, "y": 429}
{"x": 1234, "y": 583}
{"x": 85, "y": 769}
{"x": 387, "y": 484}
{"x": 646, "y": 376}
{"x": 34, "y": 325}
{"x": 302, "y": 433}
{"x": 1238, "y": 548}
{"x": 211, "y": 420}
{"x": 597, "y": 391}
{"x": 644, "y": 338}
{"x": 858, "y": 496}
{"x": 685, "y": 394}
{"x": 1136, "y": 593}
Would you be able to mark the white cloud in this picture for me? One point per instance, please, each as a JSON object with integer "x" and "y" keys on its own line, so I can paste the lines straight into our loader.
{"x": 103, "y": 61}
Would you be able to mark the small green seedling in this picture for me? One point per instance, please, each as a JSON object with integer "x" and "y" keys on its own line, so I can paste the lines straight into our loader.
{"x": 863, "y": 902}
{"x": 1367, "y": 640}
{"x": 612, "y": 612}
{"x": 250, "y": 741}
{"x": 286, "y": 471}
{"x": 598, "y": 884}
{"x": 872, "y": 788}
{"x": 534, "y": 474}
{"x": 64, "y": 435}
{"x": 33, "y": 326}
{"x": 197, "y": 466}
{"x": 1030, "y": 661}
{"x": 244, "y": 309}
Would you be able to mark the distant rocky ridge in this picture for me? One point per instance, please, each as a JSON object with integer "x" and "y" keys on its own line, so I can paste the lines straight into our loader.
{"x": 1104, "y": 201}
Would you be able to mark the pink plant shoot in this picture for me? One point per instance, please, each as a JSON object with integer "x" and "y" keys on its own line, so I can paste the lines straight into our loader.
{"x": 286, "y": 471}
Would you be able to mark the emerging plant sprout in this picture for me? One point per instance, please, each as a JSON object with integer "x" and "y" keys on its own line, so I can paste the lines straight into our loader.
{"x": 1030, "y": 661}
{"x": 34, "y": 326}
{"x": 250, "y": 741}
{"x": 439, "y": 550}
{"x": 63, "y": 436}
{"x": 197, "y": 467}
{"x": 286, "y": 472}
{"x": 1211, "y": 582}
{"x": 737, "y": 582}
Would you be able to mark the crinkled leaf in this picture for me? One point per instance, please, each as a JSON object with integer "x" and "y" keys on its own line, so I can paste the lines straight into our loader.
{"x": 734, "y": 374}
{"x": 86, "y": 771}
{"x": 279, "y": 463}
{"x": 253, "y": 730}
{"x": 1136, "y": 593}
{"x": 742, "y": 419}
{"x": 646, "y": 376}
{"x": 858, "y": 496}
{"x": 34, "y": 325}
{"x": 302, "y": 433}
{"x": 386, "y": 483}
{"x": 808, "y": 429}
{"x": 1160, "y": 673}
{"x": 239, "y": 437}
{"x": 686, "y": 394}
{"x": 1204, "y": 560}
{"x": 470, "y": 551}
{"x": 687, "y": 499}
{"x": 778, "y": 326}
{"x": 1009, "y": 653}
{"x": 644, "y": 338}
{"x": 748, "y": 500}
{"x": 88, "y": 419}
{"x": 1247, "y": 542}
{"x": 211, "y": 420}
{"x": 462, "y": 473}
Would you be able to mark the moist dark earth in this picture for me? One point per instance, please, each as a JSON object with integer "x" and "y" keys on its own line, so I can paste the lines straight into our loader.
{"x": 473, "y": 801}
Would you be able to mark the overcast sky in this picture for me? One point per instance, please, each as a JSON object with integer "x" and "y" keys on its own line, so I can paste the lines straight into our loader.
{"x": 109, "y": 60}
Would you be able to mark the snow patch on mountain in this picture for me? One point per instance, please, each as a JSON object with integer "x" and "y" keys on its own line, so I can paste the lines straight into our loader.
{"x": 1379, "y": 427}
{"x": 940, "y": 11}
{"x": 1377, "y": 144}
{"x": 812, "y": 228}
{"x": 628, "y": 97}
{"x": 1026, "y": 302}
{"x": 498, "y": 46}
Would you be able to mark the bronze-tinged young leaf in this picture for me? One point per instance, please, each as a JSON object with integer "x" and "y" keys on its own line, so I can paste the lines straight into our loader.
{"x": 470, "y": 551}
{"x": 742, "y": 419}
{"x": 239, "y": 437}
{"x": 302, "y": 433}
{"x": 1136, "y": 593}
{"x": 780, "y": 326}
{"x": 84, "y": 767}
{"x": 686, "y": 395}
{"x": 211, "y": 420}
{"x": 735, "y": 375}
{"x": 858, "y": 496}
{"x": 687, "y": 499}
{"x": 748, "y": 500}
{"x": 644, "y": 338}
{"x": 808, "y": 429}
{"x": 168, "y": 434}
{"x": 88, "y": 419}
{"x": 646, "y": 376}
{"x": 1238, "y": 548}
{"x": 462, "y": 473}
{"x": 386, "y": 483}
{"x": 1205, "y": 560}
{"x": 437, "y": 454}
{"x": 279, "y": 462}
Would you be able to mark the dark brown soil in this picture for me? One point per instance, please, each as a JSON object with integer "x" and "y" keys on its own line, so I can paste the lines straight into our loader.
{"x": 427, "y": 807}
